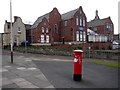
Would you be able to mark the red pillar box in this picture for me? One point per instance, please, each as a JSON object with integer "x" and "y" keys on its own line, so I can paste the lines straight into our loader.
{"x": 77, "y": 65}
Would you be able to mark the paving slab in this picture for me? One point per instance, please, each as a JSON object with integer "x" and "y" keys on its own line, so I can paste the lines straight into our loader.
{"x": 6, "y": 81}
{"x": 23, "y": 73}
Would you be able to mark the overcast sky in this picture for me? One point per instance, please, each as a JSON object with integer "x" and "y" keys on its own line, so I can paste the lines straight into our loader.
{"x": 30, "y": 10}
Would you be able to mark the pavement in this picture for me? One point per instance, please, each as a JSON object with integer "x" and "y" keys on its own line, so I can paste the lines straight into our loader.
{"x": 23, "y": 73}
{"x": 43, "y": 71}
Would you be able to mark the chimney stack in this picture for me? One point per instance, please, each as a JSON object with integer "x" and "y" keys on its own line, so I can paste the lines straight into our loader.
{"x": 15, "y": 18}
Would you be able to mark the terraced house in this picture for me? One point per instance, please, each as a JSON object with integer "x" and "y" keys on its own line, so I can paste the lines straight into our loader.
{"x": 18, "y": 30}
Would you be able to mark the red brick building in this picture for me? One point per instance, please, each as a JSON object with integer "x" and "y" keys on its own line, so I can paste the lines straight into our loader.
{"x": 54, "y": 28}
{"x": 46, "y": 29}
{"x": 105, "y": 31}
{"x": 74, "y": 27}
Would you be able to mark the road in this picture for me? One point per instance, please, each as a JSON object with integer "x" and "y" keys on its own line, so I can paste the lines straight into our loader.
{"x": 59, "y": 71}
{"x": 60, "y": 74}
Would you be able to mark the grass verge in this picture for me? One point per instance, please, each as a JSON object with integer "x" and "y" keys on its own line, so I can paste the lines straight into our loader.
{"x": 107, "y": 63}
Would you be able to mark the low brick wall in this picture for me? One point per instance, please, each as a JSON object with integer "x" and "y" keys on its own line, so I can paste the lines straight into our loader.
{"x": 98, "y": 54}
{"x": 102, "y": 54}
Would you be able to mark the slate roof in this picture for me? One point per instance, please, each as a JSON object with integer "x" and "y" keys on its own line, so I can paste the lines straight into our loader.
{"x": 69, "y": 14}
{"x": 97, "y": 22}
{"x": 91, "y": 32}
{"x": 40, "y": 19}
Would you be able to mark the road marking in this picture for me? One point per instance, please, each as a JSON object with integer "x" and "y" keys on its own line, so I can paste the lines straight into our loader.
{"x": 32, "y": 68}
{"x": 3, "y": 70}
{"x": 21, "y": 68}
{"x": 7, "y": 66}
{"x": 51, "y": 86}
{"x": 28, "y": 60}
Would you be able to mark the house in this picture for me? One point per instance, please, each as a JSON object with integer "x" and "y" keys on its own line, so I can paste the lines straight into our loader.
{"x": 6, "y": 34}
{"x": 74, "y": 27}
{"x": 105, "y": 31}
{"x": 46, "y": 29}
{"x": 18, "y": 32}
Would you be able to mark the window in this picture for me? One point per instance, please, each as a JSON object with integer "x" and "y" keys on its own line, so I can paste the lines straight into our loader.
{"x": 90, "y": 38}
{"x": 81, "y": 36}
{"x": 42, "y": 29}
{"x": 19, "y": 31}
{"x": 77, "y": 36}
{"x": 56, "y": 28}
{"x": 66, "y": 23}
{"x": 100, "y": 38}
{"x": 47, "y": 30}
{"x": 80, "y": 21}
{"x": 47, "y": 38}
{"x": 83, "y": 22}
{"x": 107, "y": 26}
{"x": 84, "y": 36}
{"x": 105, "y": 38}
{"x": 42, "y": 38}
{"x": 77, "y": 20}
{"x": 44, "y": 23}
{"x": 111, "y": 27}
{"x": 93, "y": 38}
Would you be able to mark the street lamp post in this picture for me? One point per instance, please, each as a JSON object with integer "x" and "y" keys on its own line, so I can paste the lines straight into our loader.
{"x": 11, "y": 39}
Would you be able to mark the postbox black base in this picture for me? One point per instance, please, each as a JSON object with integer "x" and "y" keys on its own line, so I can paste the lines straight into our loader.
{"x": 77, "y": 77}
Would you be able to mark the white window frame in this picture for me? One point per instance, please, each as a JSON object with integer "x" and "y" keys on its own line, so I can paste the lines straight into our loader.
{"x": 42, "y": 29}
{"x": 107, "y": 26}
{"x": 47, "y": 31}
{"x": 81, "y": 21}
{"x": 81, "y": 36}
{"x": 18, "y": 31}
{"x": 111, "y": 27}
{"x": 77, "y": 36}
{"x": 66, "y": 22}
{"x": 47, "y": 38}
{"x": 77, "y": 21}
{"x": 84, "y": 36}
{"x": 42, "y": 39}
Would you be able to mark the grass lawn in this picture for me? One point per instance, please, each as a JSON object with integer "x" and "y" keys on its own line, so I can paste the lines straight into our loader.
{"x": 106, "y": 63}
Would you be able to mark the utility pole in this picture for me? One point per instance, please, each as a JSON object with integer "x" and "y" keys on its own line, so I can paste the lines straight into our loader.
{"x": 11, "y": 36}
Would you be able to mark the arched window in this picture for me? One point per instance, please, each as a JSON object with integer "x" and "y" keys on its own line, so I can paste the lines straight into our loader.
{"x": 77, "y": 20}
{"x": 42, "y": 29}
{"x": 81, "y": 21}
{"x": 47, "y": 30}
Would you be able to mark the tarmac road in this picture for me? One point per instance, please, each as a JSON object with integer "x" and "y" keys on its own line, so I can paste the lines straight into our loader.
{"x": 60, "y": 74}
{"x": 58, "y": 71}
